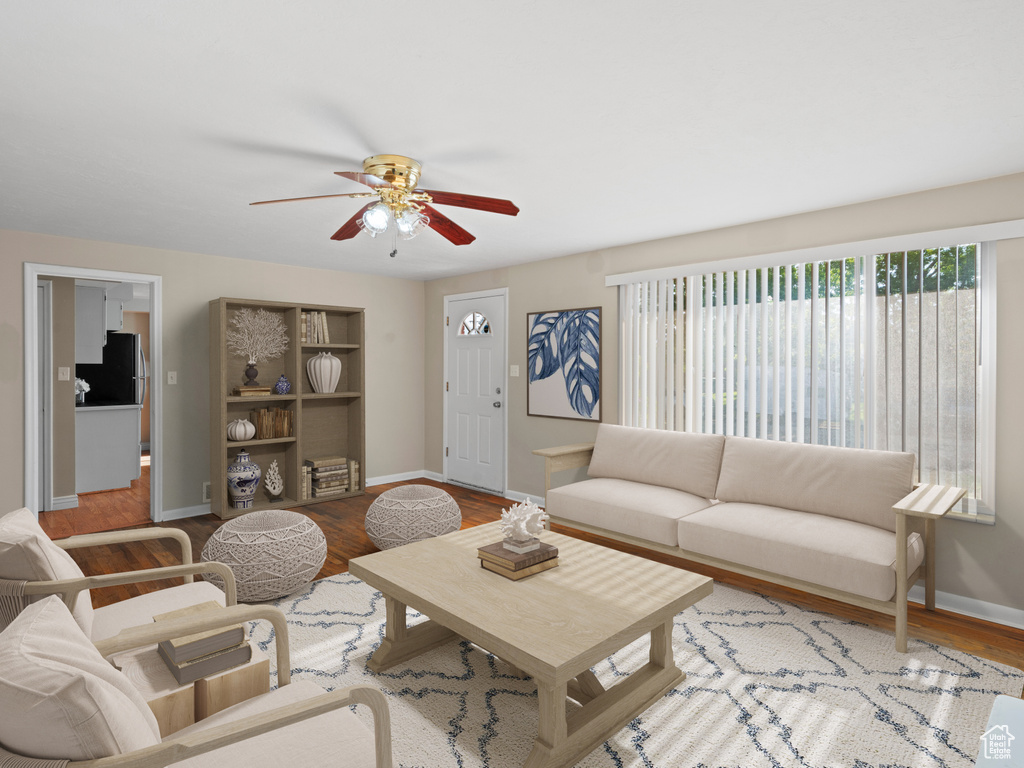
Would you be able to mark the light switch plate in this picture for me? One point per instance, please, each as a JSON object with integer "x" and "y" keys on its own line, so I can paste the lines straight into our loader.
{"x": 172, "y": 377}
{"x": 63, "y": 373}
{"x": 513, "y": 370}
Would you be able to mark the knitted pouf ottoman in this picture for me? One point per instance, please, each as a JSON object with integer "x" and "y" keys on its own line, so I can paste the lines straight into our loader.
{"x": 411, "y": 513}
{"x": 272, "y": 552}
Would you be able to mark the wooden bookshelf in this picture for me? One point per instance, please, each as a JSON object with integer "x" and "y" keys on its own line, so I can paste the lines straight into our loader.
{"x": 323, "y": 424}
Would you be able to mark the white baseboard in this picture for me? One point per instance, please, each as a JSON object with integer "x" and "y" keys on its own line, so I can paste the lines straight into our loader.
{"x": 416, "y": 474}
{"x": 183, "y": 512}
{"x": 521, "y": 497}
{"x": 969, "y": 606}
{"x": 65, "y": 502}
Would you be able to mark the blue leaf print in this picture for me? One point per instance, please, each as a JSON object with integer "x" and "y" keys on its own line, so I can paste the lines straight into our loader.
{"x": 580, "y": 358}
{"x": 542, "y": 352}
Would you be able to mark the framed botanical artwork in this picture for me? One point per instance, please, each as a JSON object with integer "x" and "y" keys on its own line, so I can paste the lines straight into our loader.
{"x": 564, "y": 360}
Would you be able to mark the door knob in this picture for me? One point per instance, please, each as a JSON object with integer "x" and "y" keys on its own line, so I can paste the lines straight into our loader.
{"x": 497, "y": 404}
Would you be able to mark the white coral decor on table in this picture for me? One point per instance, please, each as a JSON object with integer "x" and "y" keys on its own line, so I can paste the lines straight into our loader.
{"x": 521, "y": 523}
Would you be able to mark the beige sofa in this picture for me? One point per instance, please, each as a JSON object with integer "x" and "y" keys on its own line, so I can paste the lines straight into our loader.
{"x": 844, "y": 523}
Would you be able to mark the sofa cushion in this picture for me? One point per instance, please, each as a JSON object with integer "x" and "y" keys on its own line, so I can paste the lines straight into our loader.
{"x": 337, "y": 737}
{"x": 59, "y": 698}
{"x": 27, "y": 554}
{"x": 648, "y": 512}
{"x": 849, "y": 483}
{"x": 819, "y": 549}
{"x": 686, "y": 461}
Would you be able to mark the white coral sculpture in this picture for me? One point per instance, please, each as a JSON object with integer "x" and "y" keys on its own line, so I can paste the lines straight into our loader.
{"x": 522, "y": 521}
{"x": 257, "y": 335}
{"x": 273, "y": 483}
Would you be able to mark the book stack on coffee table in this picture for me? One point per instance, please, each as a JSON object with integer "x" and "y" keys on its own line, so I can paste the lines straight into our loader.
{"x": 515, "y": 566}
{"x": 203, "y": 653}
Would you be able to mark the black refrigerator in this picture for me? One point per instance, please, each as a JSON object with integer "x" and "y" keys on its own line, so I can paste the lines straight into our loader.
{"x": 121, "y": 378}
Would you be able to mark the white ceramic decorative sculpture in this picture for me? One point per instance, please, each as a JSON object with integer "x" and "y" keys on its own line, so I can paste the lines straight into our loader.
{"x": 272, "y": 483}
{"x": 521, "y": 523}
{"x": 241, "y": 429}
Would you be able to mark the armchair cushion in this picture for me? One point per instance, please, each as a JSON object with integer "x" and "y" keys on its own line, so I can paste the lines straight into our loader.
{"x": 59, "y": 698}
{"x": 27, "y": 554}
{"x": 334, "y": 738}
{"x": 136, "y": 611}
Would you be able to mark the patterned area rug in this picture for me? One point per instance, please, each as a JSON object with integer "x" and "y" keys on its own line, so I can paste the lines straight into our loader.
{"x": 768, "y": 684}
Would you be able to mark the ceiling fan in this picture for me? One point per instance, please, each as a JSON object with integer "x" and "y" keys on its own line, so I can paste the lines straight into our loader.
{"x": 398, "y": 202}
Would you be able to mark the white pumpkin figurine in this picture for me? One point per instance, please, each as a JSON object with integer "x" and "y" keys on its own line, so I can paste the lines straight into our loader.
{"x": 241, "y": 429}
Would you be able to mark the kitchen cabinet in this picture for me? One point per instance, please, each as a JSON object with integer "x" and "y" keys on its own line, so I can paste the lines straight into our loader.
{"x": 90, "y": 323}
{"x": 114, "y": 313}
{"x": 108, "y": 447}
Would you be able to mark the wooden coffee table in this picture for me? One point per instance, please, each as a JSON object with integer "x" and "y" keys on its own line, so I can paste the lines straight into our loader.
{"x": 554, "y": 625}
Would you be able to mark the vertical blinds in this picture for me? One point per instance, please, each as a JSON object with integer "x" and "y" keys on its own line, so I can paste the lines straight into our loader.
{"x": 870, "y": 352}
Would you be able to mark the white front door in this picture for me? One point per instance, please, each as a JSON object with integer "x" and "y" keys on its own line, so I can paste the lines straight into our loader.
{"x": 476, "y": 392}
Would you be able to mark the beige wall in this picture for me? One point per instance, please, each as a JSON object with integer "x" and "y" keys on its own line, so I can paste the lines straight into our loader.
{"x": 63, "y": 391}
{"x": 976, "y": 561}
{"x": 394, "y": 350}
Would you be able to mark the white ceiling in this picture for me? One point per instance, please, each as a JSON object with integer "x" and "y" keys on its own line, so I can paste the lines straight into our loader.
{"x": 156, "y": 122}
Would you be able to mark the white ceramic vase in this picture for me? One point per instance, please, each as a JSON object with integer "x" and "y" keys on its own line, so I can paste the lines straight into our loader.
{"x": 241, "y": 429}
{"x": 324, "y": 371}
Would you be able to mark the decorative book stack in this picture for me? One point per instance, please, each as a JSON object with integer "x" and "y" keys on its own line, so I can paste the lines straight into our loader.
{"x": 515, "y": 566}
{"x": 272, "y": 422}
{"x": 248, "y": 391}
{"x": 329, "y": 476}
{"x": 203, "y": 653}
{"x": 314, "y": 328}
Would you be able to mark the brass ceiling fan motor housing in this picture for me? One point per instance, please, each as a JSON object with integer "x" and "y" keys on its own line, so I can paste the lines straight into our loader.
{"x": 399, "y": 171}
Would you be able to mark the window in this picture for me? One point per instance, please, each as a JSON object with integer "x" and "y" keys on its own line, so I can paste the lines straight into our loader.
{"x": 474, "y": 324}
{"x": 880, "y": 351}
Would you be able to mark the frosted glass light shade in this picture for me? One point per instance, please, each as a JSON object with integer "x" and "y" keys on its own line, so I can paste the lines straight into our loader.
{"x": 410, "y": 224}
{"x": 375, "y": 220}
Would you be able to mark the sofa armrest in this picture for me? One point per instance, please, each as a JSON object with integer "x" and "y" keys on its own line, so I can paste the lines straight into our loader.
{"x": 564, "y": 457}
{"x": 155, "y": 632}
{"x": 122, "y": 537}
{"x": 929, "y": 501}
{"x": 175, "y": 750}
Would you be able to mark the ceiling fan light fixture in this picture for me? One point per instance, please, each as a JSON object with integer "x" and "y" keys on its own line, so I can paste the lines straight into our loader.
{"x": 375, "y": 220}
{"x": 411, "y": 223}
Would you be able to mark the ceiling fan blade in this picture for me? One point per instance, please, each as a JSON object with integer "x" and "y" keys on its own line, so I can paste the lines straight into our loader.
{"x": 351, "y": 227}
{"x": 448, "y": 228}
{"x": 491, "y": 204}
{"x": 311, "y": 197}
{"x": 364, "y": 178}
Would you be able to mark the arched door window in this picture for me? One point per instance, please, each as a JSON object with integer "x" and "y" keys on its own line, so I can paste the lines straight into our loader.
{"x": 474, "y": 324}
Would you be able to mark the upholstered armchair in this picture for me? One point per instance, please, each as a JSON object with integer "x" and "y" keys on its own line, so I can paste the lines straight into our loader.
{"x": 32, "y": 567}
{"x": 63, "y": 704}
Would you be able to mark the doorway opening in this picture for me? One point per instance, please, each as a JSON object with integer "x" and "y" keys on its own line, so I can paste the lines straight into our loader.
{"x": 134, "y": 497}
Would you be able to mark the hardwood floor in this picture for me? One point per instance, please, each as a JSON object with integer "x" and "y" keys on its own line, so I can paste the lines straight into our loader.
{"x": 102, "y": 511}
{"x": 342, "y": 524}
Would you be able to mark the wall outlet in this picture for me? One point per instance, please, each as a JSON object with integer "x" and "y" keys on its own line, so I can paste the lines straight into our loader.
{"x": 172, "y": 377}
{"x": 63, "y": 374}
{"x": 513, "y": 370}
{"x": 206, "y": 492}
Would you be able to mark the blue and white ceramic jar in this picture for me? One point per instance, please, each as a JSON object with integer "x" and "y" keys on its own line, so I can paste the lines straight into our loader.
{"x": 283, "y": 386}
{"x": 243, "y": 480}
